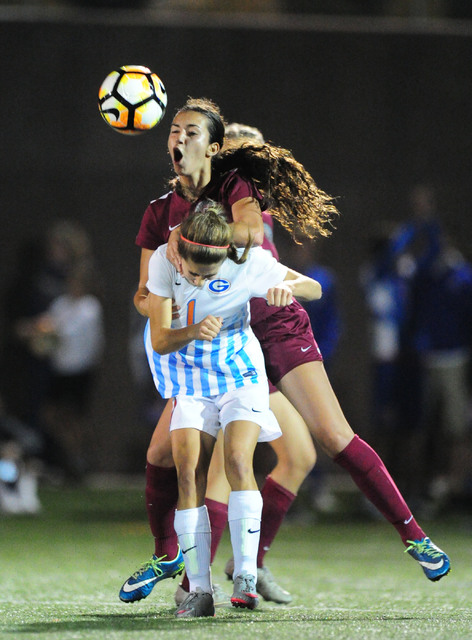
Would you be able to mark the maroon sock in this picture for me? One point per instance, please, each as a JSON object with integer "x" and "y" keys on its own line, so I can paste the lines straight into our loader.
{"x": 369, "y": 473}
{"x": 218, "y": 514}
{"x": 276, "y": 501}
{"x": 161, "y": 500}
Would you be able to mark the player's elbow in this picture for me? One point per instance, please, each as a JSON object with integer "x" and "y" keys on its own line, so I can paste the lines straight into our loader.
{"x": 311, "y": 291}
{"x": 141, "y": 301}
{"x": 257, "y": 236}
{"x": 160, "y": 347}
{"x": 159, "y": 342}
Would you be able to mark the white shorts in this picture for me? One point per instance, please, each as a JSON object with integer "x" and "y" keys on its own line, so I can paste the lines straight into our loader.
{"x": 212, "y": 413}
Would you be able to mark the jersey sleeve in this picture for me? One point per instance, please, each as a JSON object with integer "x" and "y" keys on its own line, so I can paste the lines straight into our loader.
{"x": 236, "y": 187}
{"x": 154, "y": 231}
{"x": 161, "y": 274}
{"x": 263, "y": 272}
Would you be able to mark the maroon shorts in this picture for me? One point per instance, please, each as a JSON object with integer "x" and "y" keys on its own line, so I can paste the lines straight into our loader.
{"x": 286, "y": 339}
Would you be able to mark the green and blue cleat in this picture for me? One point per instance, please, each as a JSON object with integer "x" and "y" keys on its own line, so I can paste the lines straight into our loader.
{"x": 434, "y": 562}
{"x": 143, "y": 581}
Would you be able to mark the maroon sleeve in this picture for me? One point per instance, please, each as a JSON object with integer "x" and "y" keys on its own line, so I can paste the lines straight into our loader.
{"x": 234, "y": 187}
{"x": 154, "y": 229}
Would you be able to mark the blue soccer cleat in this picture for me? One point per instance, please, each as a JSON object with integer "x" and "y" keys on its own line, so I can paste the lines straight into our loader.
{"x": 142, "y": 582}
{"x": 432, "y": 559}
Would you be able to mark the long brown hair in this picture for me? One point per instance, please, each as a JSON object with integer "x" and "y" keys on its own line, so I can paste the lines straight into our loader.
{"x": 289, "y": 191}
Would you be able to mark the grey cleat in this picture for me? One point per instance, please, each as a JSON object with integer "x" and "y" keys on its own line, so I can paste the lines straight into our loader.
{"x": 269, "y": 589}
{"x": 197, "y": 604}
{"x": 220, "y": 598}
{"x": 244, "y": 591}
{"x": 266, "y": 585}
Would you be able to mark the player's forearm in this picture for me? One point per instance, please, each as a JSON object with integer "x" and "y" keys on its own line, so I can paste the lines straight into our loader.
{"x": 166, "y": 341}
{"x": 242, "y": 231}
{"x": 305, "y": 288}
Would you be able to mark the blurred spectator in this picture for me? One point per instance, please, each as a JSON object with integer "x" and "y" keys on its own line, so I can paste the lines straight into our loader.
{"x": 386, "y": 283}
{"x": 441, "y": 334}
{"x": 70, "y": 335}
{"x": 40, "y": 276}
{"x": 45, "y": 303}
{"x": 419, "y": 292}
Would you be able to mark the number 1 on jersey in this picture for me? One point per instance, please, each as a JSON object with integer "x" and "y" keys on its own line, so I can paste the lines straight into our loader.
{"x": 191, "y": 312}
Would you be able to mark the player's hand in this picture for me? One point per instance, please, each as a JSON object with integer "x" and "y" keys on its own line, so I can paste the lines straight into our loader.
{"x": 280, "y": 295}
{"x": 172, "y": 252}
{"x": 175, "y": 310}
{"x": 208, "y": 328}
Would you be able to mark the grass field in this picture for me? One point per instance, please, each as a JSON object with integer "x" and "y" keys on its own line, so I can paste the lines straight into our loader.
{"x": 61, "y": 571}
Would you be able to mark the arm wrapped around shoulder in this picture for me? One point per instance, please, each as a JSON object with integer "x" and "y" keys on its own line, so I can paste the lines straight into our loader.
{"x": 294, "y": 285}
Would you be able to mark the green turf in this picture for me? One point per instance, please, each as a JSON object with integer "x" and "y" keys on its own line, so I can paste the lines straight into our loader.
{"x": 60, "y": 574}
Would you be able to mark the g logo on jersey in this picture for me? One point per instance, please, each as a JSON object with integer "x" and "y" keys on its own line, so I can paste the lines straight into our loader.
{"x": 219, "y": 285}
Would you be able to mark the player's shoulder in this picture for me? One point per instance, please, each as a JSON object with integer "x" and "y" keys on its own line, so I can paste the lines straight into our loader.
{"x": 232, "y": 179}
{"x": 159, "y": 254}
{"x": 162, "y": 201}
{"x": 258, "y": 255}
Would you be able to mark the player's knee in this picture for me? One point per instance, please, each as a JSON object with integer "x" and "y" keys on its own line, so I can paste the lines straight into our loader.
{"x": 333, "y": 438}
{"x": 238, "y": 467}
{"x": 297, "y": 463}
{"x": 306, "y": 460}
{"x": 159, "y": 454}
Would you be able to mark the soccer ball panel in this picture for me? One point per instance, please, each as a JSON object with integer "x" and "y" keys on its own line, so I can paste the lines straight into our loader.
{"x": 134, "y": 88}
{"x": 108, "y": 84}
{"x": 114, "y": 113}
{"x": 148, "y": 115}
{"x": 159, "y": 89}
{"x": 132, "y": 99}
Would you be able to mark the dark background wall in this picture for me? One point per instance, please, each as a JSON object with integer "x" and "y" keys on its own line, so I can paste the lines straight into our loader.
{"x": 368, "y": 111}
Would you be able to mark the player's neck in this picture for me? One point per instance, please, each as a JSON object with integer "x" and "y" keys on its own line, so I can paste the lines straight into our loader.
{"x": 191, "y": 187}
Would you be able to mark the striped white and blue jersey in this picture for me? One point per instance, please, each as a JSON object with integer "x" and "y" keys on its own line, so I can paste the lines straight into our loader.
{"x": 234, "y": 358}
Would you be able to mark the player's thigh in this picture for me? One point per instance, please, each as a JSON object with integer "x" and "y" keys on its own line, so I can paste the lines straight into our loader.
{"x": 309, "y": 390}
{"x": 159, "y": 451}
{"x": 295, "y": 448}
{"x": 192, "y": 449}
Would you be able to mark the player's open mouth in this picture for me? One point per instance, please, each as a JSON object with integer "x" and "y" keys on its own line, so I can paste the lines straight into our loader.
{"x": 177, "y": 155}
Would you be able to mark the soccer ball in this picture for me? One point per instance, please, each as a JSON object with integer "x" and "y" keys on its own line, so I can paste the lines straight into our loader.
{"x": 132, "y": 99}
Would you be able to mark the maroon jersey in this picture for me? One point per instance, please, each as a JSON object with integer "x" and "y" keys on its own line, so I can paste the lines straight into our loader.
{"x": 166, "y": 213}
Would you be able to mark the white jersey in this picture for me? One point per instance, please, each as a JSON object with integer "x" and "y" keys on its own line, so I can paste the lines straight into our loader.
{"x": 79, "y": 326}
{"x": 234, "y": 358}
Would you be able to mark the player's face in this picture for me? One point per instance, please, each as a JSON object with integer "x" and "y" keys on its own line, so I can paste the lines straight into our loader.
{"x": 196, "y": 274}
{"x": 189, "y": 143}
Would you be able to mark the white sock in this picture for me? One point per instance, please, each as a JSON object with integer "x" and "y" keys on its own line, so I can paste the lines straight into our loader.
{"x": 244, "y": 517}
{"x": 192, "y": 527}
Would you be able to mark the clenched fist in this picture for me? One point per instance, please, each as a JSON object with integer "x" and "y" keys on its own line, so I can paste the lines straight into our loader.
{"x": 208, "y": 328}
{"x": 280, "y": 295}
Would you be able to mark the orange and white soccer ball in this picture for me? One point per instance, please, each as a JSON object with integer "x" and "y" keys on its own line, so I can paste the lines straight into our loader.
{"x": 132, "y": 99}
